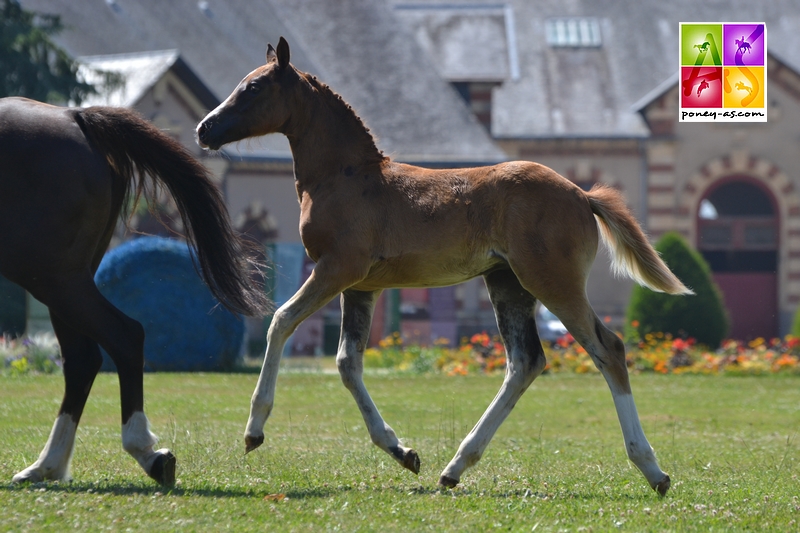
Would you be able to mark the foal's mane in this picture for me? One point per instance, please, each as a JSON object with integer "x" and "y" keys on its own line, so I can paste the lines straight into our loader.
{"x": 347, "y": 114}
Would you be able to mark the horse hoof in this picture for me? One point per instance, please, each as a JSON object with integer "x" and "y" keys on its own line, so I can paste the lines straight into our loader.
{"x": 411, "y": 461}
{"x": 163, "y": 469}
{"x": 251, "y": 443}
{"x": 662, "y": 486}
{"x": 28, "y": 476}
{"x": 448, "y": 482}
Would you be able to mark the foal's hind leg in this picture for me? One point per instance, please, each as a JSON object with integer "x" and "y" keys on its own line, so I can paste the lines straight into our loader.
{"x": 608, "y": 353}
{"x": 357, "y": 308}
{"x": 79, "y": 305}
{"x": 81, "y": 362}
{"x": 514, "y": 307}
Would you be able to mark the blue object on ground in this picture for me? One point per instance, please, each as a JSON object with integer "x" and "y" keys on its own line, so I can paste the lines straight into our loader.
{"x": 153, "y": 280}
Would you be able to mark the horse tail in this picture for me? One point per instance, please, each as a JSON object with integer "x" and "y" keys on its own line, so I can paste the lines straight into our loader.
{"x": 136, "y": 150}
{"x": 632, "y": 254}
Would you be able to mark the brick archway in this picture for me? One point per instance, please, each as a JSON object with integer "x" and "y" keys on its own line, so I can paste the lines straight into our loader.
{"x": 787, "y": 203}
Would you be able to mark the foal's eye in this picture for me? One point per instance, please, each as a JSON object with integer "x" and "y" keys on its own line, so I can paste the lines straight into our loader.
{"x": 253, "y": 88}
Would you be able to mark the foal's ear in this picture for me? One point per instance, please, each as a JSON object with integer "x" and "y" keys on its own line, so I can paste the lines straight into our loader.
{"x": 283, "y": 53}
{"x": 271, "y": 56}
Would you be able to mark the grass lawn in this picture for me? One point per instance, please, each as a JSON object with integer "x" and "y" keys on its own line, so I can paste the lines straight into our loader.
{"x": 730, "y": 445}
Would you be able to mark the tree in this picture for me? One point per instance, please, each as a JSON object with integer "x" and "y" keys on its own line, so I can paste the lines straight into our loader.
{"x": 31, "y": 64}
{"x": 701, "y": 316}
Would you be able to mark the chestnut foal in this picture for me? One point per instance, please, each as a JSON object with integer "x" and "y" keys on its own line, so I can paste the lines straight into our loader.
{"x": 370, "y": 223}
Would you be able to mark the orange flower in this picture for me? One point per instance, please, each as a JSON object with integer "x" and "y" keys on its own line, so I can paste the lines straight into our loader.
{"x": 784, "y": 361}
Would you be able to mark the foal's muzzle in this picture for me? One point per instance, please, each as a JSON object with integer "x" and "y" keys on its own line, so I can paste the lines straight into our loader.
{"x": 204, "y": 135}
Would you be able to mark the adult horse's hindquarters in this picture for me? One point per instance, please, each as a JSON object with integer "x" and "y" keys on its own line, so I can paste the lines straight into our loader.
{"x": 64, "y": 176}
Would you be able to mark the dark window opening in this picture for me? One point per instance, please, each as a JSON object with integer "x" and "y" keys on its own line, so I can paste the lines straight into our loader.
{"x": 740, "y": 199}
{"x": 741, "y": 261}
{"x": 478, "y": 97}
{"x": 462, "y": 88}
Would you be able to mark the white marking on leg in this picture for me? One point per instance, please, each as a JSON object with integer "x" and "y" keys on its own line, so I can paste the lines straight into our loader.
{"x": 639, "y": 450}
{"x": 53, "y": 462}
{"x": 350, "y": 363}
{"x": 311, "y": 296}
{"x": 475, "y": 443}
{"x": 264, "y": 395}
{"x": 138, "y": 440}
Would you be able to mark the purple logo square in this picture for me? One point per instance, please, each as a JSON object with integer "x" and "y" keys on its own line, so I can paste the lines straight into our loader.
{"x": 743, "y": 44}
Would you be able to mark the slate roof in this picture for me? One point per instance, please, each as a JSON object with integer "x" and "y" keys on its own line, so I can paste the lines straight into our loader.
{"x": 390, "y": 58}
{"x": 356, "y": 46}
{"x": 466, "y": 42}
{"x": 141, "y": 71}
{"x": 586, "y": 91}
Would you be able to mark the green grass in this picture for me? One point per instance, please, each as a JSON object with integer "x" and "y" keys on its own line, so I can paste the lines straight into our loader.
{"x": 557, "y": 464}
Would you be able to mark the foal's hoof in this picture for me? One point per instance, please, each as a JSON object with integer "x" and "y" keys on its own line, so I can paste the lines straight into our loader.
{"x": 28, "y": 475}
{"x": 163, "y": 469}
{"x": 406, "y": 457}
{"x": 411, "y": 461}
{"x": 251, "y": 443}
{"x": 662, "y": 486}
{"x": 448, "y": 482}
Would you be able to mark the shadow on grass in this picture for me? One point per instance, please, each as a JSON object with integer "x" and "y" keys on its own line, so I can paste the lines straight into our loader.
{"x": 313, "y": 492}
{"x": 527, "y": 493}
{"x": 126, "y": 489}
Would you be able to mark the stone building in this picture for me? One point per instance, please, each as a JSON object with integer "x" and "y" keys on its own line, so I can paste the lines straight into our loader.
{"x": 588, "y": 88}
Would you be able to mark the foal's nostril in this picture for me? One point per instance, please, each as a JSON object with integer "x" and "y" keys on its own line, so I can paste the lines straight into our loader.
{"x": 202, "y": 130}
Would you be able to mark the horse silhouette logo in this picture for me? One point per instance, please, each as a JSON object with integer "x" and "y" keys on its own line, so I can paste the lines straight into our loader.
{"x": 740, "y": 86}
{"x": 742, "y": 46}
{"x": 703, "y": 85}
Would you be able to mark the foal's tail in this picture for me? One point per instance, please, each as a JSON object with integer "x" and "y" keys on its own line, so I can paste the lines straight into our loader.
{"x": 631, "y": 252}
{"x": 135, "y": 150}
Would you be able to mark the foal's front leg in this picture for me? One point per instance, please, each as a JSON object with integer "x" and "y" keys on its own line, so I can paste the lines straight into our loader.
{"x": 357, "y": 308}
{"x": 324, "y": 283}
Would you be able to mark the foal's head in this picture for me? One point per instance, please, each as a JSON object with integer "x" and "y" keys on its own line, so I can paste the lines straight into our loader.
{"x": 259, "y": 105}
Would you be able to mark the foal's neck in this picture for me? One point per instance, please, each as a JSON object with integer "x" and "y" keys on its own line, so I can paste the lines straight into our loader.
{"x": 329, "y": 138}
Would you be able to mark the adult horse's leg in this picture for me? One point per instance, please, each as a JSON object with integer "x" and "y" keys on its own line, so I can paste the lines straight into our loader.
{"x": 357, "y": 308}
{"x": 81, "y": 362}
{"x": 515, "y": 308}
{"x": 324, "y": 283}
{"x": 79, "y": 305}
{"x": 608, "y": 353}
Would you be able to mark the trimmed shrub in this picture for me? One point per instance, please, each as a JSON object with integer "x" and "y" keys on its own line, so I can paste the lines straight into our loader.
{"x": 154, "y": 281}
{"x": 796, "y": 324}
{"x": 701, "y": 316}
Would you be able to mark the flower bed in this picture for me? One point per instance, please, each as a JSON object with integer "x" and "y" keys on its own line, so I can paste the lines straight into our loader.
{"x": 484, "y": 354}
{"x": 657, "y": 353}
{"x": 39, "y": 353}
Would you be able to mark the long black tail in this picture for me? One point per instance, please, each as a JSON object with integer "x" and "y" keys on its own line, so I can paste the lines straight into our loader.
{"x": 137, "y": 150}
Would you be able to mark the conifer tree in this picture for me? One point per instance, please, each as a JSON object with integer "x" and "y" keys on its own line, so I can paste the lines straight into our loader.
{"x": 32, "y": 64}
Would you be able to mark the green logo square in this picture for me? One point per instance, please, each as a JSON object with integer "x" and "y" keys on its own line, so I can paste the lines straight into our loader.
{"x": 701, "y": 44}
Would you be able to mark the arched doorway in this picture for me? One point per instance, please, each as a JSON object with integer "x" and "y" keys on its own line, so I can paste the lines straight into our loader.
{"x": 737, "y": 224}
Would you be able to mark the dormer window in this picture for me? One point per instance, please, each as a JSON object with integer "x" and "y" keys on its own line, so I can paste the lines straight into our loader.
{"x": 573, "y": 32}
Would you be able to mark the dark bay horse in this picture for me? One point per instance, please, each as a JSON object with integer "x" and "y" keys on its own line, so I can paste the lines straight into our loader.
{"x": 65, "y": 175}
{"x": 370, "y": 223}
